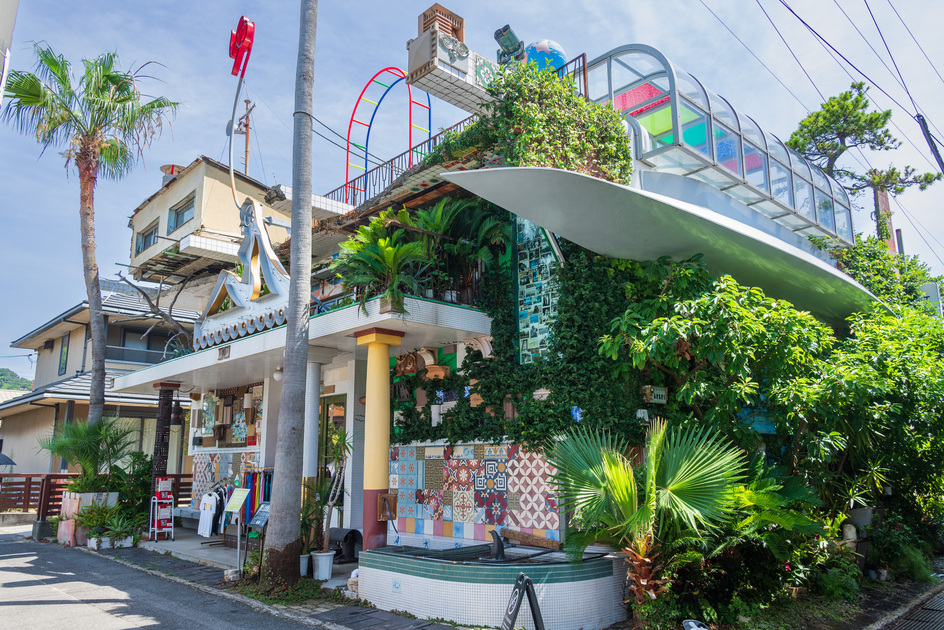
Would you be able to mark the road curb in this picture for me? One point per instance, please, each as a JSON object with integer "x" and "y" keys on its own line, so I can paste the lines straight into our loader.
{"x": 902, "y": 610}
{"x": 209, "y": 590}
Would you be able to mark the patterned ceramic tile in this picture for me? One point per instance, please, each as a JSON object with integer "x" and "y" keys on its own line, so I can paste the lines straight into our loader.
{"x": 447, "y": 498}
{"x": 463, "y": 451}
{"x": 394, "y": 453}
{"x": 394, "y": 468}
{"x": 405, "y": 496}
{"x": 407, "y": 481}
{"x": 457, "y": 529}
{"x": 513, "y": 450}
{"x": 432, "y": 504}
{"x": 407, "y": 467}
{"x": 479, "y": 451}
{"x": 447, "y": 512}
{"x": 420, "y": 474}
{"x": 394, "y": 482}
{"x": 478, "y": 516}
{"x": 420, "y": 452}
{"x": 493, "y": 475}
{"x": 460, "y": 474}
{"x": 407, "y": 510}
{"x": 409, "y": 453}
{"x": 496, "y": 452}
{"x": 447, "y": 452}
{"x": 463, "y": 506}
{"x": 434, "y": 474}
{"x": 433, "y": 452}
{"x": 494, "y": 505}
{"x": 513, "y": 500}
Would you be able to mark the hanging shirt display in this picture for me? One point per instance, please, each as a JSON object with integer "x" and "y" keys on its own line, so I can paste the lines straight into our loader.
{"x": 208, "y": 505}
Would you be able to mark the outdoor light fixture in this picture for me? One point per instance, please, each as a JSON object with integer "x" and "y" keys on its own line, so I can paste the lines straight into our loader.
{"x": 176, "y": 414}
{"x": 247, "y": 400}
{"x": 277, "y": 376}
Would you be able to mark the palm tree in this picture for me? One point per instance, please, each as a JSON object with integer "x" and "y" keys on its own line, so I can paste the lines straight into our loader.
{"x": 94, "y": 448}
{"x": 103, "y": 127}
{"x": 687, "y": 481}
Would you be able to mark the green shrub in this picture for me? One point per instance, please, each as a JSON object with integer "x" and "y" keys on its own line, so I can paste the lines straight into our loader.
{"x": 911, "y": 564}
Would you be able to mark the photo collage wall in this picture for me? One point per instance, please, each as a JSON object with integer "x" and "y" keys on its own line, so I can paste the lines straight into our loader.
{"x": 536, "y": 292}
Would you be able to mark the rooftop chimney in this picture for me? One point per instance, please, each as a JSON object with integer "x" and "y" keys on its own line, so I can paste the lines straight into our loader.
{"x": 170, "y": 172}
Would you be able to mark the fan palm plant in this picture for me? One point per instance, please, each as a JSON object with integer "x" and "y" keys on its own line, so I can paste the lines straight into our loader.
{"x": 102, "y": 126}
{"x": 684, "y": 484}
{"x": 374, "y": 262}
{"x": 94, "y": 448}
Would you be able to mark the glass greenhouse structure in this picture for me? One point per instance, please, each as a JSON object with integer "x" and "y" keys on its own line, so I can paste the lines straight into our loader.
{"x": 680, "y": 127}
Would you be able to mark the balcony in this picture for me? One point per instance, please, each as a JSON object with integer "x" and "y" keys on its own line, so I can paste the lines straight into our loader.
{"x": 136, "y": 355}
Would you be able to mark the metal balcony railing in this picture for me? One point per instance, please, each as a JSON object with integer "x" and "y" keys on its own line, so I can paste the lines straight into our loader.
{"x": 136, "y": 355}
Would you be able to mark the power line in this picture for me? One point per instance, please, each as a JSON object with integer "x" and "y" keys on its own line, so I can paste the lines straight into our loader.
{"x": 908, "y": 216}
{"x": 759, "y": 60}
{"x": 866, "y": 40}
{"x": 825, "y": 43}
{"x": 790, "y": 49}
{"x": 890, "y": 55}
{"x": 914, "y": 39}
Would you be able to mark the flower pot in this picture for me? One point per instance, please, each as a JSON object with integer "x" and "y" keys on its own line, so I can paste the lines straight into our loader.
{"x": 883, "y": 575}
{"x": 119, "y": 543}
{"x": 873, "y": 574}
{"x": 303, "y": 564}
{"x": 849, "y": 531}
{"x": 322, "y": 563}
{"x": 451, "y": 296}
{"x": 386, "y": 305}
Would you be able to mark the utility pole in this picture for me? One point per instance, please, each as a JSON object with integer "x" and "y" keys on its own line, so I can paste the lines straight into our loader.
{"x": 243, "y": 129}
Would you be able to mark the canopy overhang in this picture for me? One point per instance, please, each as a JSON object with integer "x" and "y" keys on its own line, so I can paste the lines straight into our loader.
{"x": 624, "y": 222}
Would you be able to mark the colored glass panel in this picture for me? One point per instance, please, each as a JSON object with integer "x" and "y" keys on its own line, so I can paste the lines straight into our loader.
{"x": 694, "y": 128}
{"x": 824, "y": 210}
{"x": 727, "y": 151}
{"x": 803, "y": 198}
{"x": 781, "y": 186}
{"x": 755, "y": 166}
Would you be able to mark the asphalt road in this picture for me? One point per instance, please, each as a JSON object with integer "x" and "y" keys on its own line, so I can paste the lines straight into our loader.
{"x": 47, "y": 586}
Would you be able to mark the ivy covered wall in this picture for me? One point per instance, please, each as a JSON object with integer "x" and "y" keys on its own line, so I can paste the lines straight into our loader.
{"x": 495, "y": 396}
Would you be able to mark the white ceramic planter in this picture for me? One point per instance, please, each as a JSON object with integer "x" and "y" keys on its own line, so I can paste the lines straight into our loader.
{"x": 118, "y": 543}
{"x": 94, "y": 543}
{"x": 303, "y": 564}
{"x": 323, "y": 563}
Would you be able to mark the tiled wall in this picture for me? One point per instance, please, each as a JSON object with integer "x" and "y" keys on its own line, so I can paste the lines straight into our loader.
{"x": 208, "y": 468}
{"x": 571, "y": 596}
{"x": 458, "y": 493}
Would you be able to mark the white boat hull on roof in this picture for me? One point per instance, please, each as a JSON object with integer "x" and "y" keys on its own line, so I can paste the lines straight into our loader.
{"x": 624, "y": 222}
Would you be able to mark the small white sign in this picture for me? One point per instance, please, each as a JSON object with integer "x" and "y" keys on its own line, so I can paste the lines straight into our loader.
{"x": 655, "y": 395}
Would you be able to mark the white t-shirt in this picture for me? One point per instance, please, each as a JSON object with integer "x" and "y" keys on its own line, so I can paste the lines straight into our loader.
{"x": 207, "y": 512}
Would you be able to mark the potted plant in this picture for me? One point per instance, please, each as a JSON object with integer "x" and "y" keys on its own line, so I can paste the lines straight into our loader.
{"x": 120, "y": 530}
{"x": 339, "y": 451}
{"x": 93, "y": 519}
{"x": 314, "y": 503}
{"x": 94, "y": 450}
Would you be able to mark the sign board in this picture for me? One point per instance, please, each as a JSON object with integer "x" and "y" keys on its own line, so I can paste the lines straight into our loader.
{"x": 163, "y": 488}
{"x": 261, "y": 517}
{"x": 655, "y": 395}
{"x": 236, "y": 500}
{"x": 523, "y": 585}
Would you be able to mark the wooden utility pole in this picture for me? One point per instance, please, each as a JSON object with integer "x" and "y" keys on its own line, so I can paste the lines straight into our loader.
{"x": 243, "y": 129}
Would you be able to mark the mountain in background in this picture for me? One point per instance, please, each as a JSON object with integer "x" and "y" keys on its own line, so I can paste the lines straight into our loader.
{"x": 9, "y": 380}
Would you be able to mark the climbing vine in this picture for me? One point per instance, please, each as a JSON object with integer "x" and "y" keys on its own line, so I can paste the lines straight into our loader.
{"x": 582, "y": 388}
{"x": 539, "y": 119}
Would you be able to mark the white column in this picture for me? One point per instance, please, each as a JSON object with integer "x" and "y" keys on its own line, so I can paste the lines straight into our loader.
{"x": 312, "y": 417}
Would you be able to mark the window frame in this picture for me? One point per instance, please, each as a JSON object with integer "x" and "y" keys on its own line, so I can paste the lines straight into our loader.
{"x": 64, "y": 353}
{"x": 151, "y": 231}
{"x": 173, "y": 214}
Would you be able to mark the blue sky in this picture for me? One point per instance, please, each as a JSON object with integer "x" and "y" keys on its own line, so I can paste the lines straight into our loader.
{"x": 39, "y": 244}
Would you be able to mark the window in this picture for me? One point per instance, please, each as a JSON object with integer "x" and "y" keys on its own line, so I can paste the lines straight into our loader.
{"x": 180, "y": 213}
{"x": 63, "y": 354}
{"x": 146, "y": 238}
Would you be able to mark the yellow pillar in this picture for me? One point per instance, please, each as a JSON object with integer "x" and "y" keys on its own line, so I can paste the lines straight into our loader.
{"x": 376, "y": 428}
